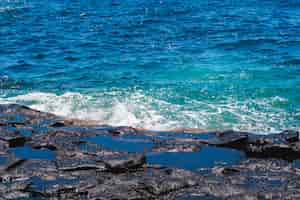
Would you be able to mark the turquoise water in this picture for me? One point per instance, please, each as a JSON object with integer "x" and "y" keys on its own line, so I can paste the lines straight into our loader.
{"x": 155, "y": 64}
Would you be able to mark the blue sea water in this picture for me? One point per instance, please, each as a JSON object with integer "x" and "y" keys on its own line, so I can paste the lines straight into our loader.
{"x": 158, "y": 64}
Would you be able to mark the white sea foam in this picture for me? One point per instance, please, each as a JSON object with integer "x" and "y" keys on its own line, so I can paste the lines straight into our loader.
{"x": 140, "y": 110}
{"x": 131, "y": 110}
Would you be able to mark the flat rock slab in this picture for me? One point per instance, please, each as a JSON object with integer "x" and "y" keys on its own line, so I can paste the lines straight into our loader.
{"x": 43, "y": 156}
{"x": 12, "y": 136}
{"x": 125, "y": 164}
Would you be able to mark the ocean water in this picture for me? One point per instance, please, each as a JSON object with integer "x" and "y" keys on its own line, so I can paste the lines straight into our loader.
{"x": 157, "y": 64}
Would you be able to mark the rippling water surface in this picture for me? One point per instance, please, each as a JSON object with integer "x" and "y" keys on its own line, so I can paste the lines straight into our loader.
{"x": 155, "y": 64}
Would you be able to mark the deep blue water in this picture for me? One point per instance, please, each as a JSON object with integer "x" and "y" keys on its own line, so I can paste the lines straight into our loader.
{"x": 156, "y": 64}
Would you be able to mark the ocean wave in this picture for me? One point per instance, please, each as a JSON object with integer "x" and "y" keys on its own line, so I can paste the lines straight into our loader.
{"x": 142, "y": 110}
{"x": 108, "y": 111}
{"x": 9, "y": 8}
{"x": 13, "y": 5}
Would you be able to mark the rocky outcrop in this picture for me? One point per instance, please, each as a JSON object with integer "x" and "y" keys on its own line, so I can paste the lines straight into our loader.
{"x": 49, "y": 157}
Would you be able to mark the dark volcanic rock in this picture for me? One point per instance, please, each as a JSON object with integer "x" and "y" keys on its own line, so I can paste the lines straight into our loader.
{"x": 11, "y": 136}
{"x": 123, "y": 165}
{"x": 224, "y": 170}
{"x": 49, "y": 146}
{"x": 14, "y": 163}
{"x": 80, "y": 167}
{"x": 49, "y": 157}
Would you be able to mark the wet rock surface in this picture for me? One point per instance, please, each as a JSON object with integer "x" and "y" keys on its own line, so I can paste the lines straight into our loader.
{"x": 43, "y": 156}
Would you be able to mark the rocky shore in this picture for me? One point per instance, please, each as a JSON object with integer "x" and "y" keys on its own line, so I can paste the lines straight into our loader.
{"x": 43, "y": 156}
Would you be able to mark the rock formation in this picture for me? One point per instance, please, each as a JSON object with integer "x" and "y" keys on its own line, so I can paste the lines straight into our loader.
{"x": 43, "y": 156}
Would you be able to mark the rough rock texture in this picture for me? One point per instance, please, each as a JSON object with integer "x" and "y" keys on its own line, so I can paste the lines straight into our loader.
{"x": 43, "y": 156}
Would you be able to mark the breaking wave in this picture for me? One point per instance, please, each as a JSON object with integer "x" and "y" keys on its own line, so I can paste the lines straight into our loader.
{"x": 138, "y": 109}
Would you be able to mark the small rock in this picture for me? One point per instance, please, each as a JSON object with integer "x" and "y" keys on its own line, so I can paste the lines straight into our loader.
{"x": 82, "y": 167}
{"x": 224, "y": 170}
{"x": 119, "y": 166}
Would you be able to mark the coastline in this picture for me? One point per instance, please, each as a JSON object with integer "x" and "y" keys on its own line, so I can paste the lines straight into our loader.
{"x": 149, "y": 100}
{"x": 50, "y": 157}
